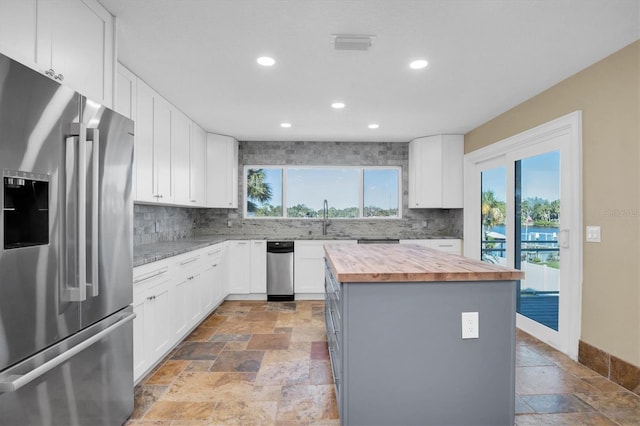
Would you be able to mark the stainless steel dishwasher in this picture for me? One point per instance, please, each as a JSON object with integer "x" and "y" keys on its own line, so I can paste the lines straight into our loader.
{"x": 280, "y": 270}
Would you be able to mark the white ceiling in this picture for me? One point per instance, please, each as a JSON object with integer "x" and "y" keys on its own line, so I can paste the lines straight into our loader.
{"x": 485, "y": 57}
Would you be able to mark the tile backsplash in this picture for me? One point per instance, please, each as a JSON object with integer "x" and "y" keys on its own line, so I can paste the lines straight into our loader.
{"x": 162, "y": 223}
{"x": 159, "y": 223}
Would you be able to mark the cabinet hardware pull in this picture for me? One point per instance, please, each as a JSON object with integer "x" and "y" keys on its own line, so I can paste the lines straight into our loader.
{"x": 193, "y": 201}
{"x": 193, "y": 259}
{"x": 151, "y": 275}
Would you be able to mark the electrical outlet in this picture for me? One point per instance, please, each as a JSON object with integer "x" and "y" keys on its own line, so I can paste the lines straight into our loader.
{"x": 470, "y": 326}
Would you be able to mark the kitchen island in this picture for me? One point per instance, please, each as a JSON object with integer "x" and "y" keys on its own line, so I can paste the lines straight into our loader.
{"x": 394, "y": 329}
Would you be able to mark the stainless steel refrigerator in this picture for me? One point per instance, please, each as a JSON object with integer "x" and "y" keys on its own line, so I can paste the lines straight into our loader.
{"x": 66, "y": 329}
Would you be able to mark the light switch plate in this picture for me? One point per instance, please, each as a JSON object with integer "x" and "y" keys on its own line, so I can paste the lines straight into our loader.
{"x": 593, "y": 234}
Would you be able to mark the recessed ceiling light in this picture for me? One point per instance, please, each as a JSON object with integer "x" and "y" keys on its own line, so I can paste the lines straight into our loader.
{"x": 285, "y": 125}
{"x": 418, "y": 64}
{"x": 266, "y": 61}
{"x": 337, "y": 105}
{"x": 374, "y": 126}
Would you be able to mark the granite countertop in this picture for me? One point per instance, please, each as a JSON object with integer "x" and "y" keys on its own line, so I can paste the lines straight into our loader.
{"x": 147, "y": 253}
{"x": 409, "y": 263}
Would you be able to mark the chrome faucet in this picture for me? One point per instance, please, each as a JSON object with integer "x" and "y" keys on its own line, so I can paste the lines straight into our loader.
{"x": 325, "y": 216}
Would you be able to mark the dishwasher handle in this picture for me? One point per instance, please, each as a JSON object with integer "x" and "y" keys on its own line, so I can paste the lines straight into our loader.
{"x": 279, "y": 247}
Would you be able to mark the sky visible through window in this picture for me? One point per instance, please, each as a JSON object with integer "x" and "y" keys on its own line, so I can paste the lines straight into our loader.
{"x": 540, "y": 174}
{"x": 306, "y": 188}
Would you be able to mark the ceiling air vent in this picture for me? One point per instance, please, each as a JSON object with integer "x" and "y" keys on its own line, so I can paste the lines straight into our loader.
{"x": 352, "y": 42}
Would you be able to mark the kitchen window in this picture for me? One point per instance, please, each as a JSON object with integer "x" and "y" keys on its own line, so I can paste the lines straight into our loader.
{"x": 298, "y": 192}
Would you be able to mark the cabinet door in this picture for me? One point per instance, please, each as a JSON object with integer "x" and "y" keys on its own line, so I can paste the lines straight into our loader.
{"x": 125, "y": 101}
{"x": 207, "y": 278}
{"x": 180, "y": 139}
{"x": 435, "y": 171}
{"x": 239, "y": 267}
{"x": 258, "y": 266}
{"x": 75, "y": 40}
{"x": 194, "y": 303}
{"x": 309, "y": 267}
{"x": 218, "y": 282}
{"x": 222, "y": 171}
{"x": 197, "y": 166}
{"x": 184, "y": 293}
{"x": 162, "y": 149}
{"x": 156, "y": 327}
{"x": 18, "y": 19}
{"x": 144, "y": 171}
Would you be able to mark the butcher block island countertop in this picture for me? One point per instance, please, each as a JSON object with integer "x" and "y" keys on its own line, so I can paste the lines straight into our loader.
{"x": 368, "y": 263}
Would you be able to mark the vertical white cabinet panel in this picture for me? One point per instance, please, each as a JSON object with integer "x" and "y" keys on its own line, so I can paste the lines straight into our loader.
{"x": 144, "y": 170}
{"x": 258, "y": 266}
{"x": 309, "y": 267}
{"x": 435, "y": 171}
{"x": 222, "y": 171}
{"x": 18, "y": 21}
{"x": 125, "y": 93}
{"x": 239, "y": 267}
{"x": 180, "y": 157}
{"x": 162, "y": 149}
{"x": 75, "y": 39}
{"x": 198, "y": 166}
{"x": 152, "y": 146}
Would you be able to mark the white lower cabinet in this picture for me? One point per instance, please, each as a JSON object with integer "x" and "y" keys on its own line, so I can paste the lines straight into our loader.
{"x": 238, "y": 262}
{"x": 152, "y": 336}
{"x": 258, "y": 277}
{"x": 170, "y": 298}
{"x": 211, "y": 279}
{"x": 308, "y": 266}
{"x": 182, "y": 295}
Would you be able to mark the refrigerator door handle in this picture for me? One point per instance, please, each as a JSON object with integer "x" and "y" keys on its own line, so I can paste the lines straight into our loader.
{"x": 74, "y": 278}
{"x": 93, "y": 289}
{"x": 12, "y": 382}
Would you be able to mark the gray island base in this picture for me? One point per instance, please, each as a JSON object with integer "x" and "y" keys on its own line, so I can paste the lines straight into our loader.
{"x": 396, "y": 346}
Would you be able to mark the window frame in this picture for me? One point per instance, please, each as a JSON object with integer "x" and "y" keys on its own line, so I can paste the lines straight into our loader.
{"x": 361, "y": 191}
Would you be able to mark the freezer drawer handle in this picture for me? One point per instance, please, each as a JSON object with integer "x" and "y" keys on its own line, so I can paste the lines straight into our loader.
{"x": 15, "y": 382}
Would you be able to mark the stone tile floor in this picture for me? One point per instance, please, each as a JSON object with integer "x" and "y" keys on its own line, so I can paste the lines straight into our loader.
{"x": 267, "y": 363}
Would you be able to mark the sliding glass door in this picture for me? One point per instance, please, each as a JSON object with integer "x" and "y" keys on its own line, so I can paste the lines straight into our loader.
{"x": 537, "y": 228}
{"x": 523, "y": 210}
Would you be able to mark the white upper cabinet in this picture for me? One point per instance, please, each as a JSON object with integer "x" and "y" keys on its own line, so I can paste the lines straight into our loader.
{"x": 76, "y": 46}
{"x": 125, "y": 101}
{"x": 152, "y": 146}
{"x": 63, "y": 39}
{"x": 180, "y": 142}
{"x": 18, "y": 20}
{"x": 198, "y": 166}
{"x": 222, "y": 171}
{"x": 435, "y": 171}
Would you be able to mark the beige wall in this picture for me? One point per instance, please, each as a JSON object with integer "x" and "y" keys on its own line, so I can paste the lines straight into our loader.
{"x": 608, "y": 93}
